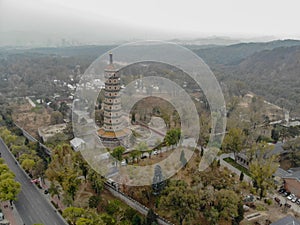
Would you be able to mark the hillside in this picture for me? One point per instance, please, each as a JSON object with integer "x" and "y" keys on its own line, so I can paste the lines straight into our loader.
{"x": 234, "y": 54}
{"x": 270, "y": 71}
{"x": 273, "y": 74}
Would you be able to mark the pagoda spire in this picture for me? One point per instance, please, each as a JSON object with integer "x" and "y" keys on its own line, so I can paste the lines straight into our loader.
{"x": 110, "y": 58}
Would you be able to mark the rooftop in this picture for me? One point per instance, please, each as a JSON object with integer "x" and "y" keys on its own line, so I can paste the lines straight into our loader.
{"x": 288, "y": 220}
{"x": 46, "y": 132}
{"x": 111, "y": 134}
{"x": 293, "y": 173}
{"x": 281, "y": 173}
{"x": 76, "y": 142}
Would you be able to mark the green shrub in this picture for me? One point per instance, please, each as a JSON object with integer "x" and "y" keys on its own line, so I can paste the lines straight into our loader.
{"x": 268, "y": 201}
{"x": 260, "y": 208}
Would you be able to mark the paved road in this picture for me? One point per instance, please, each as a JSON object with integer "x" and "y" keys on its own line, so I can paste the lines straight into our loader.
{"x": 32, "y": 206}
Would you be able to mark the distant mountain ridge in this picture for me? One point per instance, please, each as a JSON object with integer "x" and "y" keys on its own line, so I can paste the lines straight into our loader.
{"x": 274, "y": 74}
{"x": 234, "y": 54}
{"x": 270, "y": 71}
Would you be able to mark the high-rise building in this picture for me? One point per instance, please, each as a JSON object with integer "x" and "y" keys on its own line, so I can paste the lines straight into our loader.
{"x": 113, "y": 133}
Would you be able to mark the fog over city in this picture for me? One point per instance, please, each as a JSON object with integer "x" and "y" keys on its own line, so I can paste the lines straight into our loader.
{"x": 56, "y": 23}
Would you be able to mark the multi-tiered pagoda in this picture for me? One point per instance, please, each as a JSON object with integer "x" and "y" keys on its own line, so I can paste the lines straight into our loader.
{"x": 113, "y": 133}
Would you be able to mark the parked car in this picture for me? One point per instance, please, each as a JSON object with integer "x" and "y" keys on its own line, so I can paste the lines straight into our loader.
{"x": 123, "y": 163}
{"x": 144, "y": 157}
{"x": 281, "y": 190}
{"x": 34, "y": 181}
{"x": 155, "y": 152}
{"x": 1, "y": 215}
{"x": 286, "y": 193}
{"x": 277, "y": 200}
{"x": 294, "y": 199}
{"x": 298, "y": 201}
{"x": 291, "y": 196}
{"x": 287, "y": 205}
{"x": 4, "y": 222}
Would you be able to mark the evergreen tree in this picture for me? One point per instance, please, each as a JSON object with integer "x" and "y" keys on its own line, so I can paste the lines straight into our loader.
{"x": 151, "y": 218}
{"x": 158, "y": 183}
{"x": 182, "y": 158}
{"x": 241, "y": 176}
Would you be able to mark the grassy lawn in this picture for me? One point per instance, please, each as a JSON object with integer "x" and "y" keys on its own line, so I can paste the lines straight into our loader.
{"x": 238, "y": 166}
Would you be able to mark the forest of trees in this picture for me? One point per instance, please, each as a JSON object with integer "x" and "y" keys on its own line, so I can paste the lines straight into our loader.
{"x": 212, "y": 196}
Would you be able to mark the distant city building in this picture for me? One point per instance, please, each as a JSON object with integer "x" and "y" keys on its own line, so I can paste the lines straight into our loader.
{"x": 113, "y": 133}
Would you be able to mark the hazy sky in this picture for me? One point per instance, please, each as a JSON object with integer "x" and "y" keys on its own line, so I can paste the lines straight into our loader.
{"x": 115, "y": 20}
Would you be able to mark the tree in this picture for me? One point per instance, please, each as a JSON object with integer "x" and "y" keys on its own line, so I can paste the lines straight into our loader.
{"x": 96, "y": 181}
{"x": 136, "y": 220}
{"x": 26, "y": 142}
{"x": 72, "y": 214}
{"x": 234, "y": 141}
{"x": 64, "y": 108}
{"x": 158, "y": 183}
{"x": 9, "y": 189}
{"x": 84, "y": 221}
{"x": 90, "y": 218}
{"x": 134, "y": 155}
{"x": 94, "y": 201}
{"x": 56, "y": 118}
{"x": 133, "y": 120}
{"x": 151, "y": 217}
{"x": 182, "y": 158}
{"x": 108, "y": 219}
{"x": 241, "y": 176}
{"x": 118, "y": 153}
{"x": 54, "y": 190}
{"x": 61, "y": 161}
{"x": 113, "y": 207}
{"x": 172, "y": 137}
{"x": 226, "y": 203}
{"x": 63, "y": 169}
{"x": 7, "y": 136}
{"x": 3, "y": 167}
{"x": 262, "y": 167}
{"x": 71, "y": 183}
{"x": 81, "y": 164}
{"x": 142, "y": 147}
{"x": 212, "y": 215}
{"x": 240, "y": 216}
{"x": 180, "y": 200}
{"x": 7, "y": 175}
{"x": 129, "y": 213}
{"x": 275, "y": 135}
{"x": 28, "y": 164}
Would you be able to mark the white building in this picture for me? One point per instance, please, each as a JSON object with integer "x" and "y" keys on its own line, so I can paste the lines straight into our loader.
{"x": 77, "y": 143}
